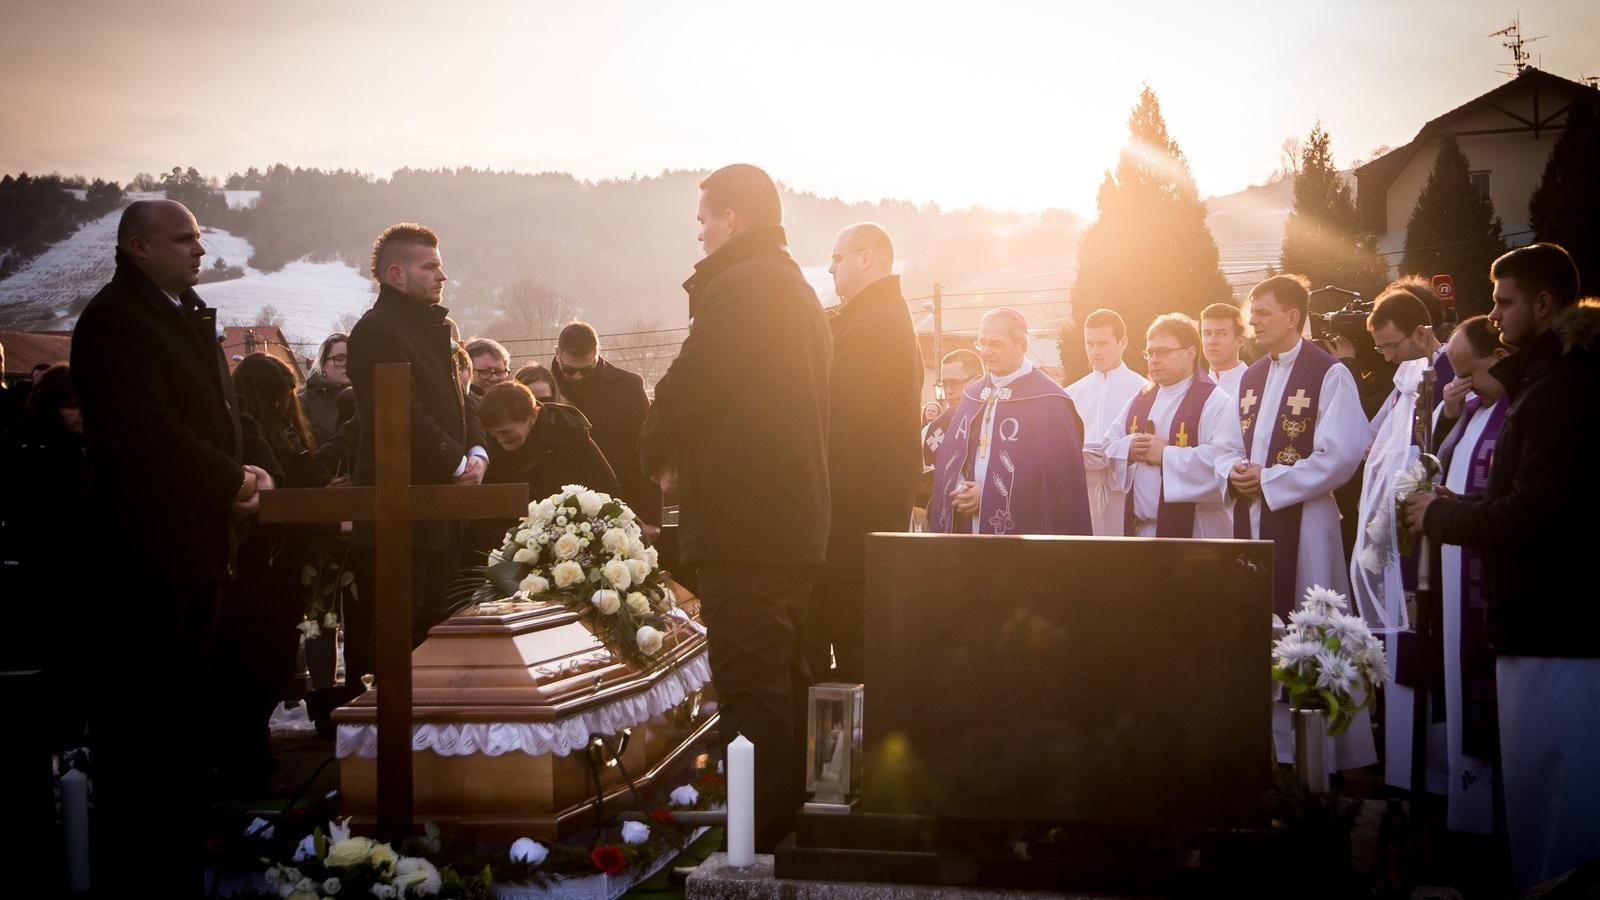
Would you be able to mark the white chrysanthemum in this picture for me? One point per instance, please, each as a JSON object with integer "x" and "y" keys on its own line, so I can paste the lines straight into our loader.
{"x": 606, "y": 601}
{"x": 419, "y": 877}
{"x": 1290, "y": 651}
{"x": 1335, "y": 673}
{"x": 1326, "y": 598}
{"x": 1374, "y": 661}
{"x": 567, "y": 573}
{"x": 616, "y": 574}
{"x": 615, "y": 540}
{"x": 1307, "y": 617}
{"x": 566, "y": 547}
{"x": 649, "y": 640}
{"x": 638, "y": 570}
{"x": 534, "y": 584}
{"x": 523, "y": 536}
{"x": 1352, "y": 631}
{"x": 638, "y": 604}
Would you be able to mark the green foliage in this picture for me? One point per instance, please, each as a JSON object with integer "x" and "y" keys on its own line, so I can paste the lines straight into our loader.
{"x": 1565, "y": 208}
{"x": 1322, "y": 239}
{"x": 1454, "y": 230}
{"x": 1150, "y": 251}
{"x": 35, "y": 212}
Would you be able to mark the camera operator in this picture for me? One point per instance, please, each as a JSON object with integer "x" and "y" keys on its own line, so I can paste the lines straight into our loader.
{"x": 1339, "y": 326}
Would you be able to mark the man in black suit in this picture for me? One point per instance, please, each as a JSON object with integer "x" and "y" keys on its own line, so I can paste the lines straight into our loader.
{"x": 164, "y": 440}
{"x": 740, "y": 430}
{"x": 407, "y": 324}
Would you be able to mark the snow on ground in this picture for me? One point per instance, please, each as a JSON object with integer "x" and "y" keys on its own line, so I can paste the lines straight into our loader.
{"x": 309, "y": 297}
{"x": 241, "y": 199}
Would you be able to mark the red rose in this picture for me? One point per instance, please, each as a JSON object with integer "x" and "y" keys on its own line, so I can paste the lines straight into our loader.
{"x": 608, "y": 859}
{"x": 662, "y": 816}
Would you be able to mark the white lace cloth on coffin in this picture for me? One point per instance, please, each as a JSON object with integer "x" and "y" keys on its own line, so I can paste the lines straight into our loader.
{"x": 1375, "y": 580}
{"x": 539, "y": 738}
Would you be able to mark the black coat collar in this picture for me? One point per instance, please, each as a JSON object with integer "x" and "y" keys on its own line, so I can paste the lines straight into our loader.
{"x": 883, "y": 292}
{"x": 391, "y": 300}
{"x": 1529, "y": 364}
{"x": 762, "y": 240}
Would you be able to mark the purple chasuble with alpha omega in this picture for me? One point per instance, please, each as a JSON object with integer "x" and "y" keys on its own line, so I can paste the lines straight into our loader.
{"x": 1294, "y": 434}
{"x": 1035, "y": 482}
{"x": 1172, "y": 519}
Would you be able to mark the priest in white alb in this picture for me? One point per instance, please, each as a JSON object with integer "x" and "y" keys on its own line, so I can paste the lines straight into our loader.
{"x": 1099, "y": 397}
{"x": 1305, "y": 434}
{"x": 1179, "y": 440}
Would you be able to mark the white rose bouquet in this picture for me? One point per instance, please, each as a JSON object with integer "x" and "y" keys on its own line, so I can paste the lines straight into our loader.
{"x": 1329, "y": 659}
{"x": 583, "y": 549}
{"x": 333, "y": 862}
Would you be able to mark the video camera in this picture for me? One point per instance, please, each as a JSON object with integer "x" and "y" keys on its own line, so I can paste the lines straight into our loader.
{"x": 1336, "y": 313}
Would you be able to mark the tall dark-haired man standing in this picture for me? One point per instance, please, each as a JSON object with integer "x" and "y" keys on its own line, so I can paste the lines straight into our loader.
{"x": 739, "y": 430}
{"x": 1535, "y": 527}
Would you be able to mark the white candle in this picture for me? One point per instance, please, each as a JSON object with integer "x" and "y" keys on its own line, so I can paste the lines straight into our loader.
{"x": 741, "y": 802}
{"x": 75, "y": 822}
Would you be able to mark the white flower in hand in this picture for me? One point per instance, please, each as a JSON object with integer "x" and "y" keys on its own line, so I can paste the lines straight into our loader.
{"x": 1409, "y": 480}
{"x": 567, "y": 573}
{"x": 528, "y": 850}
{"x": 635, "y": 832}
{"x": 606, "y": 601}
{"x": 649, "y": 640}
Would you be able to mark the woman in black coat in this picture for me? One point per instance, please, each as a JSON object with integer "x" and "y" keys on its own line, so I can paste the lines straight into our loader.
{"x": 545, "y": 445}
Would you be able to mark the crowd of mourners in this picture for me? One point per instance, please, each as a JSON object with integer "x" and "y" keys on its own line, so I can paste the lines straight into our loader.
{"x": 131, "y": 477}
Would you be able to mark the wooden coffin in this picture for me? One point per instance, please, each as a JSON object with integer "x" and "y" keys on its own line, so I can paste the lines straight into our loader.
{"x": 527, "y": 664}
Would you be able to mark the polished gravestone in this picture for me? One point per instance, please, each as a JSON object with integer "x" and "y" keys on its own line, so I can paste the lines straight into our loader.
{"x": 1043, "y": 711}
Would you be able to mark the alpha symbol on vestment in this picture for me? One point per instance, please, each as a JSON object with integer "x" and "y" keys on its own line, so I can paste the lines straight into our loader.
{"x": 1298, "y": 403}
{"x": 1248, "y": 401}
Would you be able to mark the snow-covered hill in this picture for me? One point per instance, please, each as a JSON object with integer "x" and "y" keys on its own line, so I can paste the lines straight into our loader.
{"x": 309, "y": 297}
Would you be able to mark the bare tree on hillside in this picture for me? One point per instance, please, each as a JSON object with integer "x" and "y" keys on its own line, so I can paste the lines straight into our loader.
{"x": 529, "y": 309}
{"x": 642, "y": 345}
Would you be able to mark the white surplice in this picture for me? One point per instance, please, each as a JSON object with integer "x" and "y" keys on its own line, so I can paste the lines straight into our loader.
{"x": 980, "y": 462}
{"x": 1100, "y": 397}
{"x": 1471, "y": 784}
{"x": 1341, "y": 442}
{"x": 1230, "y": 379}
{"x": 1195, "y": 474}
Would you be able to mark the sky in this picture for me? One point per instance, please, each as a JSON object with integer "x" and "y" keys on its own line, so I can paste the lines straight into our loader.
{"x": 1006, "y": 104}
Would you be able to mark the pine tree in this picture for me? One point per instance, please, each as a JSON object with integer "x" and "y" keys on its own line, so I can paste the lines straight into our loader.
{"x": 1322, "y": 239}
{"x": 1149, "y": 252}
{"x": 1565, "y": 207}
{"x": 1454, "y": 230}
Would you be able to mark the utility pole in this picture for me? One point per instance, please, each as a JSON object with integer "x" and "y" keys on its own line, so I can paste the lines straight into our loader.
{"x": 938, "y": 327}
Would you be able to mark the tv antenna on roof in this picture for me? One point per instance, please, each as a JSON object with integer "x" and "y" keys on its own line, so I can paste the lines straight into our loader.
{"x": 1515, "y": 42}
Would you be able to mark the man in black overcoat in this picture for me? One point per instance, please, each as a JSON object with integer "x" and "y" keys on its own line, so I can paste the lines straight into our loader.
{"x": 164, "y": 442}
{"x": 739, "y": 430}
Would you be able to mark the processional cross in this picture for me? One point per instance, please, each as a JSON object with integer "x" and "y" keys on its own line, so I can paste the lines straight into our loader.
{"x": 393, "y": 503}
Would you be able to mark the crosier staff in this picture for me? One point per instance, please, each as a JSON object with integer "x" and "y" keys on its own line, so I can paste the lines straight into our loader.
{"x": 1426, "y": 603}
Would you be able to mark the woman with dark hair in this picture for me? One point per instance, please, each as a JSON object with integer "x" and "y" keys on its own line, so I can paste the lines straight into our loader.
{"x": 541, "y": 381}
{"x": 258, "y": 635}
{"x": 44, "y": 518}
{"x": 318, "y": 399}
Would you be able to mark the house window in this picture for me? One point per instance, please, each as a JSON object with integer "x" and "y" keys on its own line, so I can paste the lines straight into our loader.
{"x": 1480, "y": 180}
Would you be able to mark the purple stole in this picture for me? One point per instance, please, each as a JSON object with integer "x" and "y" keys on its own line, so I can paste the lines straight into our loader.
{"x": 1294, "y": 433}
{"x": 1036, "y": 460}
{"x": 1480, "y": 724}
{"x": 936, "y": 435}
{"x": 1172, "y": 519}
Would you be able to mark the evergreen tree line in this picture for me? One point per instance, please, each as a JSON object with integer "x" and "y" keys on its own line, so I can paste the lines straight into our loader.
{"x": 37, "y": 211}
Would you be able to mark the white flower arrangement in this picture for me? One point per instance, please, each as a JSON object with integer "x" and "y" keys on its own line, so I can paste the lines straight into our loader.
{"x": 585, "y": 550}
{"x": 1329, "y": 659}
{"x": 335, "y": 862}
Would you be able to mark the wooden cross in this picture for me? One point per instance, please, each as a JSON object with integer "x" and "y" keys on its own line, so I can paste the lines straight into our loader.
{"x": 1298, "y": 403}
{"x": 1248, "y": 402}
{"x": 393, "y": 503}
